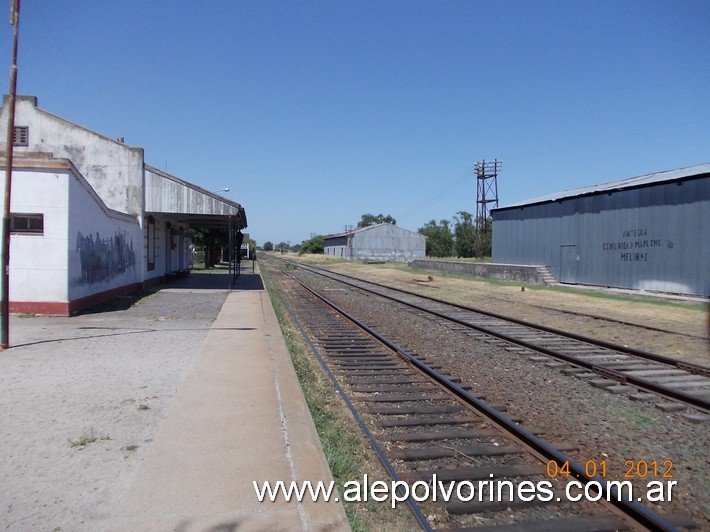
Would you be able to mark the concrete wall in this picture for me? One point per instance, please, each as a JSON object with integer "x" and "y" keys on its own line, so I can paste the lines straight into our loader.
{"x": 38, "y": 262}
{"x": 105, "y": 247}
{"x": 114, "y": 170}
{"x": 170, "y": 241}
{"x": 508, "y": 272}
{"x": 76, "y": 257}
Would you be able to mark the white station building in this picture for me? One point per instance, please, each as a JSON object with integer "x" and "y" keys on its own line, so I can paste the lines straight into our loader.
{"x": 90, "y": 220}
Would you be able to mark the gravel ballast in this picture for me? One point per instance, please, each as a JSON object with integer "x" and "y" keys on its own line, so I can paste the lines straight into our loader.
{"x": 605, "y": 426}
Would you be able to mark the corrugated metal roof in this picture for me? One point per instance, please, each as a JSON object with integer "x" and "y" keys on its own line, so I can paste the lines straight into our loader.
{"x": 356, "y": 230}
{"x": 648, "y": 179}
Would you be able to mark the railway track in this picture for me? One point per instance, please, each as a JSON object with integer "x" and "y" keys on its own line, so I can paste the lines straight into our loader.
{"x": 431, "y": 432}
{"x": 643, "y": 376}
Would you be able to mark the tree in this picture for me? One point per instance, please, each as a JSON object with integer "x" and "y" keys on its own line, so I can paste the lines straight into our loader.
{"x": 370, "y": 219}
{"x": 313, "y": 245}
{"x": 282, "y": 247}
{"x": 440, "y": 240}
{"x": 212, "y": 242}
{"x": 268, "y": 246}
{"x": 484, "y": 237}
{"x": 465, "y": 233}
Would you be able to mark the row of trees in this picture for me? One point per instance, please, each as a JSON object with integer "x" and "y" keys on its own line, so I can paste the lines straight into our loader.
{"x": 313, "y": 245}
{"x": 212, "y": 245}
{"x": 469, "y": 238}
{"x": 371, "y": 219}
{"x": 461, "y": 237}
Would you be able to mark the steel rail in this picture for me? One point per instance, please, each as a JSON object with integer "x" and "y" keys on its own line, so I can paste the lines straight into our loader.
{"x": 628, "y": 507}
{"x": 414, "y": 508}
{"x": 687, "y": 366}
{"x": 694, "y": 401}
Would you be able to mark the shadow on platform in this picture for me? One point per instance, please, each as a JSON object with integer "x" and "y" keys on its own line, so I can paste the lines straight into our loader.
{"x": 209, "y": 280}
{"x": 214, "y": 280}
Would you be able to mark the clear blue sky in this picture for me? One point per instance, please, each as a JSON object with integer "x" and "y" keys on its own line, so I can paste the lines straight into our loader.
{"x": 316, "y": 112}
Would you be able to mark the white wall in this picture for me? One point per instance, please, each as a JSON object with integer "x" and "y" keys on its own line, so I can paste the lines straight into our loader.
{"x": 38, "y": 263}
{"x": 85, "y": 248}
{"x": 114, "y": 170}
{"x": 105, "y": 248}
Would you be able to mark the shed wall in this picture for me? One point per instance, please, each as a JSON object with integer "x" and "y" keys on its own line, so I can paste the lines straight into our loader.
{"x": 650, "y": 238}
{"x": 388, "y": 243}
{"x": 385, "y": 242}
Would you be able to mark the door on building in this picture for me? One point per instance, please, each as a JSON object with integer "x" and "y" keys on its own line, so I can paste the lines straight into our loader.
{"x": 168, "y": 248}
{"x": 568, "y": 264}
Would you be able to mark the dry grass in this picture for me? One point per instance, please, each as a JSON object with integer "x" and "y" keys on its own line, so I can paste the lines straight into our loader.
{"x": 559, "y": 307}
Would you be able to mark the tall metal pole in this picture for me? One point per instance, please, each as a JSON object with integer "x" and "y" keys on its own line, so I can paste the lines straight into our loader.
{"x": 5, "y": 295}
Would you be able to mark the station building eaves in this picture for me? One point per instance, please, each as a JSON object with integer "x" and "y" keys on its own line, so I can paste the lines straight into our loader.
{"x": 168, "y": 194}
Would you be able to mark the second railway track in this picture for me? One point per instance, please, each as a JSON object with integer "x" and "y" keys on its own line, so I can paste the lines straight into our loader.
{"x": 619, "y": 369}
{"x": 426, "y": 429}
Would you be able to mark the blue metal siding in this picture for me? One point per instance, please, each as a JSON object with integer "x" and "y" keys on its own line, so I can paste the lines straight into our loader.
{"x": 652, "y": 238}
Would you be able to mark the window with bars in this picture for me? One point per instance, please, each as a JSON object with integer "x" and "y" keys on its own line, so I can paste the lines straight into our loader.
{"x": 20, "y": 136}
{"x": 27, "y": 224}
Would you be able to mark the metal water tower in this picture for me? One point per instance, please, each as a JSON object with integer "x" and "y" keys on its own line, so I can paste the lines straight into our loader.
{"x": 487, "y": 190}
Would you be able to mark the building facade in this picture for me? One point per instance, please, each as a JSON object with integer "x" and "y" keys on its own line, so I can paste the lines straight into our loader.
{"x": 644, "y": 233}
{"x": 89, "y": 219}
{"x": 380, "y": 242}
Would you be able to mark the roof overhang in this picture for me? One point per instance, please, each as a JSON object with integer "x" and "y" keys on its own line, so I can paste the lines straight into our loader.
{"x": 169, "y": 195}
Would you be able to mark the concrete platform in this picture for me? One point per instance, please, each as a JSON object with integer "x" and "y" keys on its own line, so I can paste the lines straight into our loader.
{"x": 238, "y": 417}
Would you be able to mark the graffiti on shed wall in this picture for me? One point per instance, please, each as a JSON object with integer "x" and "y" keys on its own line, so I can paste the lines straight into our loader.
{"x": 102, "y": 259}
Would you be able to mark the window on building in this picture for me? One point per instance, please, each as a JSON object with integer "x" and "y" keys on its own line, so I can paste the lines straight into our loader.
{"x": 21, "y": 223}
{"x": 20, "y": 136}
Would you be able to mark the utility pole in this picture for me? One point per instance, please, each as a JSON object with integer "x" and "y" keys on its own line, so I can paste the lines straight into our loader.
{"x": 487, "y": 190}
{"x": 9, "y": 149}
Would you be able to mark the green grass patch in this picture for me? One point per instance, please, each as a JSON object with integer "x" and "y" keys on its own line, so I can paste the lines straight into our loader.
{"x": 634, "y": 419}
{"x": 88, "y": 437}
{"x": 348, "y": 453}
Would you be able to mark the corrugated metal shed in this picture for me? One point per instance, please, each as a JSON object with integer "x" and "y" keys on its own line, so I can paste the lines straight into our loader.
{"x": 384, "y": 242}
{"x": 689, "y": 172}
{"x": 648, "y": 232}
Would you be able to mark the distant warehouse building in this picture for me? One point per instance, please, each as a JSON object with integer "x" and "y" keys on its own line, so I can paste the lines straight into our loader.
{"x": 650, "y": 233}
{"x": 382, "y": 242}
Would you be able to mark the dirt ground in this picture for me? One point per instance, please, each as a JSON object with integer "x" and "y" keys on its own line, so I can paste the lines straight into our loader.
{"x": 81, "y": 399}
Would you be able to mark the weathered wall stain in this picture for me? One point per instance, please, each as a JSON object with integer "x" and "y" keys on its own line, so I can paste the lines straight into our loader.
{"x": 102, "y": 259}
